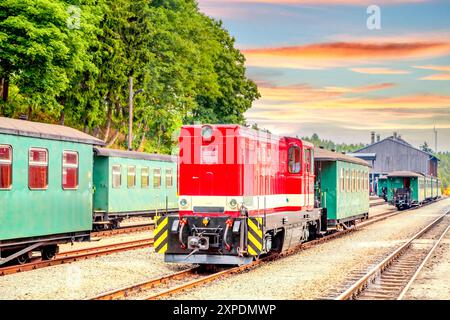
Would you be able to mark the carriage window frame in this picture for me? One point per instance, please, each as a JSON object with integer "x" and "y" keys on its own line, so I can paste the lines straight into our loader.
{"x": 342, "y": 180}
{"x": 132, "y": 175}
{"x": 8, "y": 162}
{"x": 38, "y": 164}
{"x": 169, "y": 176}
{"x": 147, "y": 175}
{"x": 119, "y": 185}
{"x": 296, "y": 169}
{"x": 158, "y": 177}
{"x": 70, "y": 165}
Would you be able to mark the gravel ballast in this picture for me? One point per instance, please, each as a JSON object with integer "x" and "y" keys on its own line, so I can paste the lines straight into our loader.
{"x": 309, "y": 274}
{"x": 319, "y": 272}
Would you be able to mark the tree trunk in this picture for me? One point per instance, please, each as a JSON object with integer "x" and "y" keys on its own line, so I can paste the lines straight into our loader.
{"x": 113, "y": 139}
{"x": 5, "y": 89}
{"x": 62, "y": 118}
{"x": 108, "y": 124}
{"x": 141, "y": 144}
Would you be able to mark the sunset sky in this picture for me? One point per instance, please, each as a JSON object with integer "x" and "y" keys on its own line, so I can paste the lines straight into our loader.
{"x": 321, "y": 70}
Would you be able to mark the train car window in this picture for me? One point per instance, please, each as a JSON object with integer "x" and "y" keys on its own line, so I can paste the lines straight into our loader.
{"x": 157, "y": 178}
{"x": 144, "y": 177}
{"x": 342, "y": 180}
{"x": 131, "y": 177}
{"x": 169, "y": 178}
{"x": 5, "y": 167}
{"x": 307, "y": 159}
{"x": 70, "y": 170}
{"x": 294, "y": 160}
{"x": 116, "y": 176}
{"x": 37, "y": 169}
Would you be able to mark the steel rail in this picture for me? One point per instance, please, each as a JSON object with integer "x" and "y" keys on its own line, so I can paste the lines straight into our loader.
{"x": 77, "y": 255}
{"x": 123, "y": 292}
{"x": 122, "y": 230}
{"x": 411, "y": 281}
{"x": 379, "y": 268}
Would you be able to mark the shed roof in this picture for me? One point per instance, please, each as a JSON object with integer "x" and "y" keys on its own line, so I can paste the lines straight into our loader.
{"x": 399, "y": 141}
{"x": 45, "y": 131}
{"x": 326, "y": 155}
{"x": 406, "y": 174}
{"x": 105, "y": 152}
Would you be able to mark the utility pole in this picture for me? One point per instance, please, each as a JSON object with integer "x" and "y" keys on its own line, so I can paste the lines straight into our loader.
{"x": 130, "y": 115}
{"x": 435, "y": 139}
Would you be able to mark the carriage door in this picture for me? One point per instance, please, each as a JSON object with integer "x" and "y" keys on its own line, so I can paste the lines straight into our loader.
{"x": 307, "y": 177}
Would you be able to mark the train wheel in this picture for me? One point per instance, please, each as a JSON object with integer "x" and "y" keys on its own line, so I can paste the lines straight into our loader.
{"x": 114, "y": 224}
{"x": 24, "y": 258}
{"x": 49, "y": 252}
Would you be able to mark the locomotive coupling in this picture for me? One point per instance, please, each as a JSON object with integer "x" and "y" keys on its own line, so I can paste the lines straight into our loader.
{"x": 198, "y": 242}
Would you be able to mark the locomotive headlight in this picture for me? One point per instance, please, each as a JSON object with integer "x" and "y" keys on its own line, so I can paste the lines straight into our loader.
{"x": 233, "y": 203}
{"x": 207, "y": 132}
{"x": 183, "y": 203}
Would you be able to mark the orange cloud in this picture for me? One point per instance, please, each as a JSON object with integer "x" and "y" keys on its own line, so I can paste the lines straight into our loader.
{"x": 334, "y": 54}
{"x": 379, "y": 71}
{"x": 306, "y": 93}
{"x": 434, "y": 67}
{"x": 438, "y": 77}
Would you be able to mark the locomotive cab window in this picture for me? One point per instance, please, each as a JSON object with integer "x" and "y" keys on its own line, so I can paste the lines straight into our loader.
{"x": 144, "y": 177}
{"x": 294, "y": 160}
{"x": 5, "y": 167}
{"x": 169, "y": 178}
{"x": 70, "y": 170}
{"x": 309, "y": 162}
{"x": 37, "y": 169}
{"x": 156, "y": 178}
{"x": 131, "y": 177}
{"x": 116, "y": 176}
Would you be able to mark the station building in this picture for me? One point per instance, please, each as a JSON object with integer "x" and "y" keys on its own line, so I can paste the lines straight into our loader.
{"x": 395, "y": 154}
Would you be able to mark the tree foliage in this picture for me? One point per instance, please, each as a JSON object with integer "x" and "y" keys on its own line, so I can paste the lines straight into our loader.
{"x": 184, "y": 61}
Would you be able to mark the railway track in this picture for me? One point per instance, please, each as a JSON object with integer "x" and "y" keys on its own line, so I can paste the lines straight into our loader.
{"x": 78, "y": 255}
{"x": 169, "y": 285}
{"x": 123, "y": 230}
{"x": 392, "y": 277}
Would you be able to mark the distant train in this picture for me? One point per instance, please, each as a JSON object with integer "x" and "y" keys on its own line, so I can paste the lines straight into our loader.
{"x": 245, "y": 193}
{"x": 406, "y": 189}
{"x": 57, "y": 184}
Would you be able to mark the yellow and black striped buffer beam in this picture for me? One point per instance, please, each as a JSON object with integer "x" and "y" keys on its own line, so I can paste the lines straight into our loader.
{"x": 255, "y": 236}
{"x": 161, "y": 234}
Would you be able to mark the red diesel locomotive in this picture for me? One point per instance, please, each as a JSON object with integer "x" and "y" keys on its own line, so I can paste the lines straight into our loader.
{"x": 242, "y": 193}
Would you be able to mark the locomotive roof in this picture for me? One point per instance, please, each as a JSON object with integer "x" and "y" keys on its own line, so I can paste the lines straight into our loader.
{"x": 407, "y": 174}
{"x": 327, "y": 155}
{"x": 105, "y": 152}
{"x": 45, "y": 131}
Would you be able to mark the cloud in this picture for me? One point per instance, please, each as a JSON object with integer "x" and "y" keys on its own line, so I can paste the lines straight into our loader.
{"x": 379, "y": 71}
{"x": 335, "y": 54}
{"x": 438, "y": 77}
{"x": 434, "y": 67}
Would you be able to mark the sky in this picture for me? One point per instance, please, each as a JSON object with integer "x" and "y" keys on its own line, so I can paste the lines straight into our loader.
{"x": 339, "y": 69}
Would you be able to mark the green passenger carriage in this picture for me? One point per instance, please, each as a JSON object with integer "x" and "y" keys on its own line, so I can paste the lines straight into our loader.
{"x": 45, "y": 188}
{"x": 342, "y": 187}
{"x": 129, "y": 183}
{"x": 382, "y": 187}
{"x": 407, "y": 189}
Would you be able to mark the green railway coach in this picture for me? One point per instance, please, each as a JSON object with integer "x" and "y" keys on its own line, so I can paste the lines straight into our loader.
{"x": 129, "y": 183}
{"x": 407, "y": 189}
{"x": 382, "y": 187}
{"x": 342, "y": 187}
{"x": 45, "y": 187}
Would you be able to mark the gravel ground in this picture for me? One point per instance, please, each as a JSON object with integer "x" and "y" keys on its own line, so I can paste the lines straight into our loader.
{"x": 86, "y": 278}
{"x": 433, "y": 282}
{"x": 307, "y": 275}
{"x": 315, "y": 273}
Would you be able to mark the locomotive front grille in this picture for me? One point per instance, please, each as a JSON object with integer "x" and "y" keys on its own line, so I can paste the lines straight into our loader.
{"x": 198, "y": 209}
